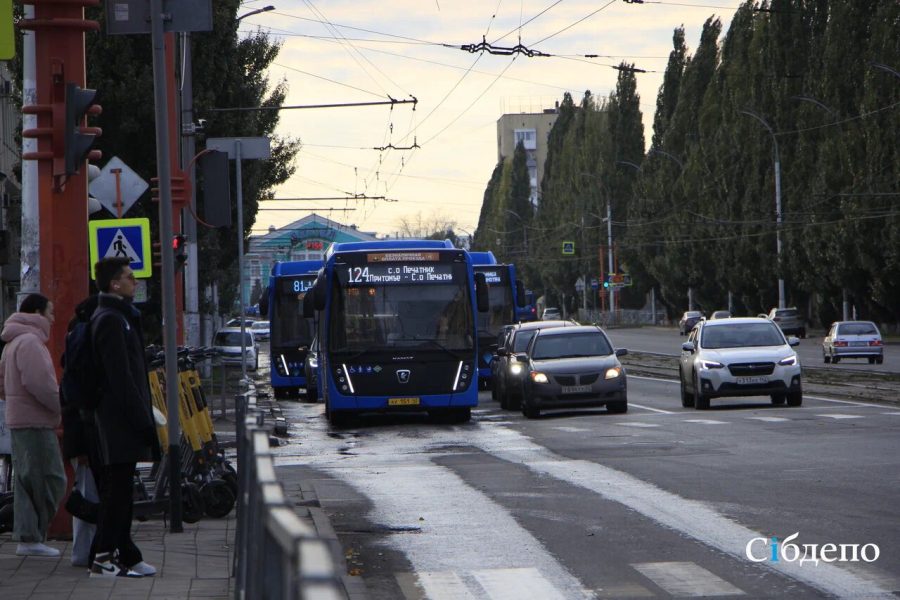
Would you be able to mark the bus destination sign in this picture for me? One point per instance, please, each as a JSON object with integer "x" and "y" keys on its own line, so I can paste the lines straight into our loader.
{"x": 398, "y": 273}
{"x": 403, "y": 257}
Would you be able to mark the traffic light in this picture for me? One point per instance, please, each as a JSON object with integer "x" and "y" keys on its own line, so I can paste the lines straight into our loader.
{"x": 77, "y": 139}
{"x": 179, "y": 249}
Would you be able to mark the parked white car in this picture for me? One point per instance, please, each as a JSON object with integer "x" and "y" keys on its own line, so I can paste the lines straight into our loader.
{"x": 227, "y": 342}
{"x": 739, "y": 357}
{"x": 260, "y": 330}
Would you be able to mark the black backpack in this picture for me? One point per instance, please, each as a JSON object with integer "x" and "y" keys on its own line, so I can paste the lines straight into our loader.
{"x": 80, "y": 381}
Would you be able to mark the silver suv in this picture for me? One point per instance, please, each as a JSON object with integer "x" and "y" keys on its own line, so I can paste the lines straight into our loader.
{"x": 789, "y": 320}
{"x": 746, "y": 356}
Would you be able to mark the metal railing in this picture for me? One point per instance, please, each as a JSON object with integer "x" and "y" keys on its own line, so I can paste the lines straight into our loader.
{"x": 278, "y": 555}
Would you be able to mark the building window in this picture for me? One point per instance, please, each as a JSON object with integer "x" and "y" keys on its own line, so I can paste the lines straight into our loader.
{"x": 528, "y": 137}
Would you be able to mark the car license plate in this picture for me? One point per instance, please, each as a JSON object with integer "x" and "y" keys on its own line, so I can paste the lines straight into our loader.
{"x": 575, "y": 389}
{"x": 403, "y": 401}
{"x": 859, "y": 343}
{"x": 750, "y": 380}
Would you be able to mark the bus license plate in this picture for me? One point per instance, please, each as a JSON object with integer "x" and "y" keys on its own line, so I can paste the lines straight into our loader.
{"x": 751, "y": 380}
{"x": 403, "y": 401}
{"x": 576, "y": 389}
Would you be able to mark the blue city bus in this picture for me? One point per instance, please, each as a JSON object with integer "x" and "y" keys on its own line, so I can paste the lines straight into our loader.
{"x": 290, "y": 332}
{"x": 396, "y": 329}
{"x": 506, "y": 295}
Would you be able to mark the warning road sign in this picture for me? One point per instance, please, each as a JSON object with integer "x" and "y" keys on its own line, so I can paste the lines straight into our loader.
{"x": 122, "y": 237}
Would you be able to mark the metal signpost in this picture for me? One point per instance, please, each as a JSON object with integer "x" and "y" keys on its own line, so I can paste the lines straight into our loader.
{"x": 238, "y": 149}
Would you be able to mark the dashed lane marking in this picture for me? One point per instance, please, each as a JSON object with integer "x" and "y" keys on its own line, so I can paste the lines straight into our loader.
{"x": 639, "y": 424}
{"x": 706, "y": 421}
{"x": 769, "y": 419}
{"x": 838, "y": 416}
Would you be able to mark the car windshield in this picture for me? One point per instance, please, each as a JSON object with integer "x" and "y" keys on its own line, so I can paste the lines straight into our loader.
{"x": 232, "y": 338}
{"x": 857, "y": 329}
{"x": 570, "y": 346}
{"x": 260, "y": 325}
{"x": 739, "y": 335}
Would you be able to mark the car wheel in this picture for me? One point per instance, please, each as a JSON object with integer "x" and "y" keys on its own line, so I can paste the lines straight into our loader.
{"x": 701, "y": 400}
{"x": 795, "y": 398}
{"x": 879, "y": 360}
{"x": 503, "y": 394}
{"x": 617, "y": 407}
{"x": 494, "y": 392}
{"x": 530, "y": 411}
{"x": 687, "y": 399}
{"x": 835, "y": 359}
{"x": 871, "y": 360}
{"x": 778, "y": 399}
{"x": 514, "y": 402}
{"x": 826, "y": 358}
{"x": 803, "y": 334}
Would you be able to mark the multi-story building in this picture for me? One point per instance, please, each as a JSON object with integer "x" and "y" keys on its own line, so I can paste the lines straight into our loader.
{"x": 532, "y": 130}
{"x": 10, "y": 194}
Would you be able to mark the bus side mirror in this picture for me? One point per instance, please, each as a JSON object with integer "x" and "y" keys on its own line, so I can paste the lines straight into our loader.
{"x": 520, "y": 294}
{"x": 318, "y": 294}
{"x": 264, "y": 303}
{"x": 481, "y": 293}
{"x": 309, "y": 310}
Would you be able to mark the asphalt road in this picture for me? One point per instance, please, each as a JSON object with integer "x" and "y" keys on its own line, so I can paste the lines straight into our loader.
{"x": 660, "y": 502}
{"x": 665, "y": 340}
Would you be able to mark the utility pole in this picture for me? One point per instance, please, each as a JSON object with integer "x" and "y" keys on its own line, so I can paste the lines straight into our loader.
{"x": 188, "y": 145}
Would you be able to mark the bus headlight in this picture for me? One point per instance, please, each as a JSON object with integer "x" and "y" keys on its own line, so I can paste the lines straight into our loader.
{"x": 539, "y": 377}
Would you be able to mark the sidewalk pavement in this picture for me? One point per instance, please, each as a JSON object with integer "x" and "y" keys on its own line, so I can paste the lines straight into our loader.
{"x": 196, "y": 563}
{"x": 193, "y": 564}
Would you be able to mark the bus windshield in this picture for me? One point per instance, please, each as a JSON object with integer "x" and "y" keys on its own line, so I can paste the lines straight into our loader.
{"x": 374, "y": 310}
{"x": 290, "y": 329}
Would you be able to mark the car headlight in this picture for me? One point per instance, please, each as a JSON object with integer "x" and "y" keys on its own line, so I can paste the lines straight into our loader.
{"x": 539, "y": 377}
{"x": 790, "y": 360}
{"x": 313, "y": 362}
{"x": 613, "y": 372}
{"x": 710, "y": 364}
{"x": 516, "y": 369}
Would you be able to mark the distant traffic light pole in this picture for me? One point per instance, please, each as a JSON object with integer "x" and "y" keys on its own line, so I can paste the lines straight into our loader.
{"x": 765, "y": 124}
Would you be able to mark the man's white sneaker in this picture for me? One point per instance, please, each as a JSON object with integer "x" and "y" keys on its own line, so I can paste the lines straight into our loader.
{"x": 105, "y": 566}
{"x": 36, "y": 549}
{"x": 145, "y": 569}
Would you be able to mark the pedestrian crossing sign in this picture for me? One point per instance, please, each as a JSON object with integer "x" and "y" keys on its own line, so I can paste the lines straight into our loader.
{"x": 122, "y": 237}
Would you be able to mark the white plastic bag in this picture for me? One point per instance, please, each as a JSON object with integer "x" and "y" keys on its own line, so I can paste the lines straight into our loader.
{"x": 82, "y": 531}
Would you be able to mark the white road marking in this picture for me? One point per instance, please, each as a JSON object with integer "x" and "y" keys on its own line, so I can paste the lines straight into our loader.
{"x": 893, "y": 413}
{"x": 654, "y": 379}
{"x": 769, "y": 419}
{"x": 851, "y": 402}
{"x": 840, "y": 416}
{"x": 573, "y": 429}
{"x": 706, "y": 421}
{"x": 659, "y": 410}
{"x": 516, "y": 584}
{"x": 445, "y": 585}
{"x": 686, "y": 579}
{"x": 639, "y": 424}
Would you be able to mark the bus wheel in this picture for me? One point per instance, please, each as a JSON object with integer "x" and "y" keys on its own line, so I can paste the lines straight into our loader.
{"x": 338, "y": 420}
{"x": 461, "y": 415}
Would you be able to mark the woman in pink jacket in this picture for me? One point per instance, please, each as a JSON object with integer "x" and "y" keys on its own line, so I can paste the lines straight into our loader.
{"x": 28, "y": 383}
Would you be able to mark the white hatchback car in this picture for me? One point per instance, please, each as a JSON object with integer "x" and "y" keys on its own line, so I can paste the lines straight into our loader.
{"x": 739, "y": 357}
{"x": 228, "y": 344}
{"x": 260, "y": 330}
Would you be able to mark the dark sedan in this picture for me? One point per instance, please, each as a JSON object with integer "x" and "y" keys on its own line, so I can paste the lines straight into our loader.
{"x": 573, "y": 367}
{"x": 510, "y": 371}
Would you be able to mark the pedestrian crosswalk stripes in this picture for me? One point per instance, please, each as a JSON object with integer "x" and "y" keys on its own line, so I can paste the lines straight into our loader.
{"x": 686, "y": 579}
{"x": 675, "y": 579}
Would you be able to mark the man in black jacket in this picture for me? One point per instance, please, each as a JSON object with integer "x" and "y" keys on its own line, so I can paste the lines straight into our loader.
{"x": 126, "y": 429}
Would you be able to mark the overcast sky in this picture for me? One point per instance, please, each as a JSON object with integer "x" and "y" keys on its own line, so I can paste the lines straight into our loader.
{"x": 346, "y": 51}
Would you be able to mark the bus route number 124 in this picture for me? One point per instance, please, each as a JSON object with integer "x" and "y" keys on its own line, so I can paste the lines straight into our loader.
{"x": 358, "y": 274}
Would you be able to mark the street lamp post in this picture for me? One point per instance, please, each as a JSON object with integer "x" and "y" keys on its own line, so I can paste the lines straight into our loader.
{"x": 765, "y": 124}
{"x": 255, "y": 12}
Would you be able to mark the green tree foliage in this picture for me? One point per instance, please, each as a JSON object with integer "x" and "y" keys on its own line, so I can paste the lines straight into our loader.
{"x": 228, "y": 71}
